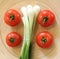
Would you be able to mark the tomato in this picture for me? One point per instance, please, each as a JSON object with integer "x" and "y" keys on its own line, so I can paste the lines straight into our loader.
{"x": 13, "y": 39}
{"x": 12, "y": 17}
{"x": 44, "y": 39}
{"x": 45, "y": 18}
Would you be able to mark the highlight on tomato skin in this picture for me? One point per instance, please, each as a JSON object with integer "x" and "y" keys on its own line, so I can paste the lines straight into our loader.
{"x": 12, "y": 17}
{"x": 44, "y": 39}
{"x": 13, "y": 39}
{"x": 45, "y": 18}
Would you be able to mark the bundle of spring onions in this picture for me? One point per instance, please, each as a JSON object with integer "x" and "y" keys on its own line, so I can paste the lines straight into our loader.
{"x": 29, "y": 21}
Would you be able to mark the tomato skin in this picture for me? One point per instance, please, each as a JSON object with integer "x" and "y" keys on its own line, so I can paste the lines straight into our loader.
{"x": 12, "y": 17}
{"x": 50, "y": 18}
{"x": 48, "y": 39}
{"x": 13, "y": 39}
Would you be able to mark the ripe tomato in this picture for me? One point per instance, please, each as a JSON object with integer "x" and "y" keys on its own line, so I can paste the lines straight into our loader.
{"x": 44, "y": 39}
{"x": 45, "y": 18}
{"x": 12, "y": 17}
{"x": 13, "y": 39}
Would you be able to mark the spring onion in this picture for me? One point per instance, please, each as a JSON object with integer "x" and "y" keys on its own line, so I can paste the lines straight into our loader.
{"x": 29, "y": 21}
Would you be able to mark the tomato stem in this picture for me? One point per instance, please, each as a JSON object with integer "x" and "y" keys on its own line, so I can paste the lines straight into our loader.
{"x": 45, "y": 19}
{"x": 12, "y": 17}
{"x": 11, "y": 40}
{"x": 44, "y": 40}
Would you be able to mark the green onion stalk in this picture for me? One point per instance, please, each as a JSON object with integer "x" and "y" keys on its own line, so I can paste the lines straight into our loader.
{"x": 29, "y": 21}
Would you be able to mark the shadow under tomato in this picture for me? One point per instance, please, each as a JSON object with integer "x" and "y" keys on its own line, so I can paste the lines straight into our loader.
{"x": 17, "y": 27}
{"x": 16, "y": 50}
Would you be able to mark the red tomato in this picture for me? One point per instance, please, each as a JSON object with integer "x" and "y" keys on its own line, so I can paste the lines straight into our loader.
{"x": 44, "y": 39}
{"x": 12, "y": 17}
{"x": 45, "y": 18}
{"x": 13, "y": 39}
